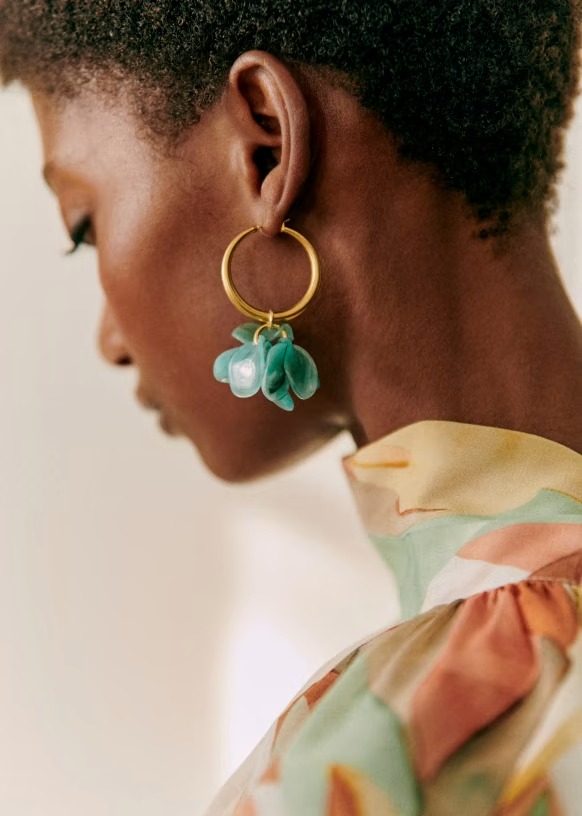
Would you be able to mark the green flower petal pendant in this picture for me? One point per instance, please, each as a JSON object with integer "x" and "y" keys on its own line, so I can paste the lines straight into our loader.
{"x": 269, "y": 361}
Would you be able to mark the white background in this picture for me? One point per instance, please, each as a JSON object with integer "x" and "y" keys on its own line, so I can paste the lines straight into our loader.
{"x": 153, "y": 621}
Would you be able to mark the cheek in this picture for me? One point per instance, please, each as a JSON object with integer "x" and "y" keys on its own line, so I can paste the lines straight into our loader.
{"x": 160, "y": 271}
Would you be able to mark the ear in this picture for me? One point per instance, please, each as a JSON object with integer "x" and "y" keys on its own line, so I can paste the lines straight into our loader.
{"x": 268, "y": 113}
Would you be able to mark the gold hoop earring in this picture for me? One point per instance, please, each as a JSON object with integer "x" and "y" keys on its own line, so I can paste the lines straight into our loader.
{"x": 267, "y": 317}
{"x": 268, "y": 360}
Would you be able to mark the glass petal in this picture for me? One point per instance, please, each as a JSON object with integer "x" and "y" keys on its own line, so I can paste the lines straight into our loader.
{"x": 247, "y": 368}
{"x": 275, "y": 384}
{"x": 301, "y": 372}
{"x": 285, "y": 327}
{"x": 246, "y": 333}
{"x": 283, "y": 398}
{"x": 275, "y": 368}
{"x": 221, "y": 365}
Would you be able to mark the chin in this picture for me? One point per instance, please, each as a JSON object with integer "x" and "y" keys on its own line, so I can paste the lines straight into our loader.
{"x": 236, "y": 463}
{"x": 240, "y": 469}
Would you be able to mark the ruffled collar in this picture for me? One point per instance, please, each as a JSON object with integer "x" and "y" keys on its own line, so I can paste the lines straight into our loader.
{"x": 450, "y": 507}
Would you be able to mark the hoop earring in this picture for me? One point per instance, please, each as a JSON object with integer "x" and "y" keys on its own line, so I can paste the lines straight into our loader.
{"x": 268, "y": 360}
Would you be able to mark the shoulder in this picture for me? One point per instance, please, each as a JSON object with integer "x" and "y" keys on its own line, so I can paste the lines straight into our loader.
{"x": 463, "y": 709}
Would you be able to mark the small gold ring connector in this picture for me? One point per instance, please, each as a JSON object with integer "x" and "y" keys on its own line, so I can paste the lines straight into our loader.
{"x": 262, "y": 328}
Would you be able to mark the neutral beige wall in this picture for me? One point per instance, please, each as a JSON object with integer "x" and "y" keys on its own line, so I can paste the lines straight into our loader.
{"x": 152, "y": 620}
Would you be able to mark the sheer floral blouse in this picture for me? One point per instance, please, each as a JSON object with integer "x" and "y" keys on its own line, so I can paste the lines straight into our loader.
{"x": 472, "y": 705}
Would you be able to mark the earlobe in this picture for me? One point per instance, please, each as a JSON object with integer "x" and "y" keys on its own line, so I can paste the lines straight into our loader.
{"x": 269, "y": 114}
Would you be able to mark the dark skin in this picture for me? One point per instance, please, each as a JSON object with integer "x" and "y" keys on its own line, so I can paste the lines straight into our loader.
{"x": 416, "y": 317}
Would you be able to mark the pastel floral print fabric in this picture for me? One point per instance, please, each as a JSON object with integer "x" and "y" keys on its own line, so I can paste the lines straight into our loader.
{"x": 472, "y": 705}
{"x": 268, "y": 360}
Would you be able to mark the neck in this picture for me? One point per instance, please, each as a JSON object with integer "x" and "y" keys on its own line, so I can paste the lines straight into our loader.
{"x": 441, "y": 324}
{"x": 465, "y": 331}
{"x": 436, "y": 323}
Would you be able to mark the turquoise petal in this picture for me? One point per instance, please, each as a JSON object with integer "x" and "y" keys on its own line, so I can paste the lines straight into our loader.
{"x": 285, "y": 327}
{"x": 275, "y": 384}
{"x": 246, "y": 333}
{"x": 275, "y": 368}
{"x": 221, "y": 365}
{"x": 301, "y": 372}
{"x": 247, "y": 368}
{"x": 283, "y": 398}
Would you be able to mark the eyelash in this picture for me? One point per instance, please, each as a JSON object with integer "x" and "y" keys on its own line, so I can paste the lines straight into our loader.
{"x": 79, "y": 235}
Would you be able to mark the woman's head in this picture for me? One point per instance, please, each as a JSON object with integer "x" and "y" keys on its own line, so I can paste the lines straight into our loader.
{"x": 169, "y": 127}
{"x": 475, "y": 88}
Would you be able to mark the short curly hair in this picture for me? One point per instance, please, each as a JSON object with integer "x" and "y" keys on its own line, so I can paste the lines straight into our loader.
{"x": 481, "y": 90}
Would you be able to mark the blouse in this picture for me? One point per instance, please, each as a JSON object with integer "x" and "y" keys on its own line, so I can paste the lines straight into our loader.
{"x": 472, "y": 705}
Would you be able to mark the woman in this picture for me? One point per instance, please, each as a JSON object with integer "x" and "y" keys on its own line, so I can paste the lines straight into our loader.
{"x": 406, "y": 154}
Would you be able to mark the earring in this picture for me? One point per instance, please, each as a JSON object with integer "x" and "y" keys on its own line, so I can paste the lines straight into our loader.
{"x": 268, "y": 360}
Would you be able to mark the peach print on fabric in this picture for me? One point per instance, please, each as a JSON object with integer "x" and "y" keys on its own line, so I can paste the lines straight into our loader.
{"x": 526, "y": 546}
{"x": 351, "y": 793}
{"x": 490, "y": 662}
{"x": 539, "y": 794}
{"x": 568, "y": 569}
{"x": 474, "y": 706}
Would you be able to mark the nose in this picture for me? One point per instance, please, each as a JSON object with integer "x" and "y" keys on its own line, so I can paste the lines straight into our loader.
{"x": 110, "y": 340}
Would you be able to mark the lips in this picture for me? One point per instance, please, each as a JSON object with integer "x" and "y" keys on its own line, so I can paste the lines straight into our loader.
{"x": 151, "y": 404}
{"x": 166, "y": 425}
{"x": 146, "y": 401}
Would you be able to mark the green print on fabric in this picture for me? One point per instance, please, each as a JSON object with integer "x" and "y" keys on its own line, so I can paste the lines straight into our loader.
{"x": 541, "y": 807}
{"x": 460, "y": 710}
{"x": 418, "y": 554}
{"x": 269, "y": 361}
{"x": 350, "y": 726}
